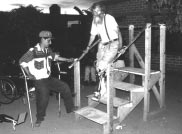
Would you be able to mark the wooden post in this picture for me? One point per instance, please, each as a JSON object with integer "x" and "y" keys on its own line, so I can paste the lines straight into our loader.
{"x": 108, "y": 127}
{"x": 162, "y": 64}
{"x": 131, "y": 52}
{"x": 142, "y": 65}
{"x": 147, "y": 70}
{"x": 77, "y": 83}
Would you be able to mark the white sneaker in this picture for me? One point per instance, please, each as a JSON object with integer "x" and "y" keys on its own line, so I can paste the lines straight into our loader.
{"x": 96, "y": 96}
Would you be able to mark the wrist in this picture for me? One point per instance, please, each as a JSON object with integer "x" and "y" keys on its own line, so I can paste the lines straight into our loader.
{"x": 69, "y": 60}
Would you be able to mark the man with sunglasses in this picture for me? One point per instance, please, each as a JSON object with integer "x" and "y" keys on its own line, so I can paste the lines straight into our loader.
{"x": 37, "y": 65}
{"x": 104, "y": 26}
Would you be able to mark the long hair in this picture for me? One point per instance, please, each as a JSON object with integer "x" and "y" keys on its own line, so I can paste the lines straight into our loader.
{"x": 98, "y": 4}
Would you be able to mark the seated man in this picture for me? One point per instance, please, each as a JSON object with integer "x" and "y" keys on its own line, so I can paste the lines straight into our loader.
{"x": 37, "y": 64}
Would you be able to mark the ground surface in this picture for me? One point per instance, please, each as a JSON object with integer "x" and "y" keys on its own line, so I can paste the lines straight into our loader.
{"x": 167, "y": 122}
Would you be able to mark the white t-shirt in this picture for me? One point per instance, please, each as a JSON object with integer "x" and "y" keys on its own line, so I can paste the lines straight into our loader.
{"x": 111, "y": 25}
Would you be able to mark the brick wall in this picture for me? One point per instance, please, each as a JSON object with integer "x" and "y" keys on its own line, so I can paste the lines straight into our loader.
{"x": 134, "y": 12}
{"x": 173, "y": 62}
{"x": 125, "y": 11}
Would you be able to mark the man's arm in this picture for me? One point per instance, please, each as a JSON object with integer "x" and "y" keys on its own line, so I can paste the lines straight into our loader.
{"x": 58, "y": 58}
{"x": 121, "y": 48}
{"x": 24, "y": 63}
{"x": 120, "y": 39}
{"x": 92, "y": 38}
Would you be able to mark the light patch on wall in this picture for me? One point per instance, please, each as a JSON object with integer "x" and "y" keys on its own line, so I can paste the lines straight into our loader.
{"x": 72, "y": 22}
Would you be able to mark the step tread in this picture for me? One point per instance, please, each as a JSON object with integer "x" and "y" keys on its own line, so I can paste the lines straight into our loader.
{"x": 116, "y": 101}
{"x": 127, "y": 86}
{"x": 93, "y": 114}
{"x": 138, "y": 71}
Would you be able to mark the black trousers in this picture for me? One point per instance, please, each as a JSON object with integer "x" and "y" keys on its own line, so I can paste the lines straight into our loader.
{"x": 43, "y": 88}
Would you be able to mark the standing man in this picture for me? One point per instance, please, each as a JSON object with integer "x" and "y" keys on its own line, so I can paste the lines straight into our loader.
{"x": 37, "y": 65}
{"x": 106, "y": 27}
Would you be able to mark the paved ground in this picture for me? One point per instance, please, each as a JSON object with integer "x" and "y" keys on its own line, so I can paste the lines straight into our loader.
{"x": 167, "y": 122}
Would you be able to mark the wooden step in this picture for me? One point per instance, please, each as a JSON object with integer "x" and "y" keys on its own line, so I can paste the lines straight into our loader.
{"x": 116, "y": 101}
{"x": 137, "y": 71}
{"x": 93, "y": 114}
{"x": 127, "y": 86}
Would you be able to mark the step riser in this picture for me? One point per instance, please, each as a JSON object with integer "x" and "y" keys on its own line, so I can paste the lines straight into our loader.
{"x": 123, "y": 111}
{"x": 127, "y": 86}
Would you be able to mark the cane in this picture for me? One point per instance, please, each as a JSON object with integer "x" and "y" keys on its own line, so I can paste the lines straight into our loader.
{"x": 84, "y": 53}
{"x": 124, "y": 48}
{"x": 26, "y": 87}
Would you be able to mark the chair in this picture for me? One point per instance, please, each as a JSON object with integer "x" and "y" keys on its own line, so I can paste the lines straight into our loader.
{"x": 59, "y": 94}
{"x": 28, "y": 98}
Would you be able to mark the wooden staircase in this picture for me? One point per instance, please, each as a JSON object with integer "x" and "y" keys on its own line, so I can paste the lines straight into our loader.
{"x": 137, "y": 93}
{"x": 123, "y": 106}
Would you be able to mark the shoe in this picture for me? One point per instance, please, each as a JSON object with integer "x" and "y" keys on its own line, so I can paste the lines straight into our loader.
{"x": 37, "y": 123}
{"x": 96, "y": 96}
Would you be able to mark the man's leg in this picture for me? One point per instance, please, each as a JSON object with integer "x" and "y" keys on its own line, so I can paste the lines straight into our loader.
{"x": 93, "y": 74}
{"x": 87, "y": 73}
{"x": 42, "y": 98}
{"x": 64, "y": 89}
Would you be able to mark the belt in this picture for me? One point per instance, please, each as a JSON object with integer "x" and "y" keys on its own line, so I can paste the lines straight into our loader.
{"x": 106, "y": 43}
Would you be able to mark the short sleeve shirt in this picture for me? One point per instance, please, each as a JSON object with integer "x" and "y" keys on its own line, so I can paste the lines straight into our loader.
{"x": 111, "y": 25}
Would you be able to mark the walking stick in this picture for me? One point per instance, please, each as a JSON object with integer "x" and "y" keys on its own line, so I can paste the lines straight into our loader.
{"x": 124, "y": 48}
{"x": 28, "y": 98}
{"x": 84, "y": 53}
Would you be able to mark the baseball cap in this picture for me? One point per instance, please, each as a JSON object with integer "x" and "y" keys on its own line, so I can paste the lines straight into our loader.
{"x": 45, "y": 34}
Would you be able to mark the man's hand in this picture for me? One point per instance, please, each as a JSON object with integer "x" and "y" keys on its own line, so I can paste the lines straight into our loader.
{"x": 123, "y": 50}
{"x": 73, "y": 63}
{"x": 86, "y": 50}
{"x": 101, "y": 73}
{"x": 70, "y": 60}
{"x": 31, "y": 77}
{"x": 27, "y": 74}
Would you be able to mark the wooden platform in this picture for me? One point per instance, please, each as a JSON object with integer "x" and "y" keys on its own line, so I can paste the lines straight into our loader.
{"x": 93, "y": 114}
{"x": 137, "y": 71}
{"x": 127, "y": 86}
